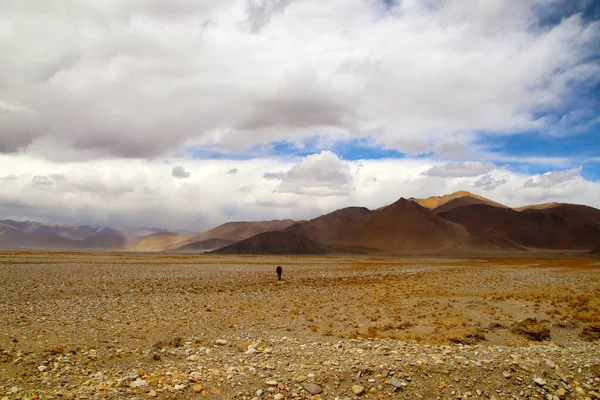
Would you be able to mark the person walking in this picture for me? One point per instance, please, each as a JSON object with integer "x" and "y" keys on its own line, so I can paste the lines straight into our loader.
{"x": 279, "y": 271}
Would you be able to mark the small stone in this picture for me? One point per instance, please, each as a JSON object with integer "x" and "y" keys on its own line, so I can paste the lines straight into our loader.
{"x": 193, "y": 357}
{"x": 539, "y": 381}
{"x": 278, "y": 396}
{"x": 271, "y": 383}
{"x": 550, "y": 364}
{"x": 396, "y": 383}
{"x": 152, "y": 393}
{"x": 313, "y": 388}
{"x": 138, "y": 383}
{"x": 221, "y": 342}
{"x": 156, "y": 357}
{"x": 442, "y": 385}
{"x": 301, "y": 378}
{"x": 358, "y": 389}
{"x": 179, "y": 387}
{"x": 197, "y": 388}
{"x": 506, "y": 374}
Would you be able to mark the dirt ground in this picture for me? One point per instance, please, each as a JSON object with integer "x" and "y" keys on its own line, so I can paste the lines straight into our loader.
{"x": 78, "y": 325}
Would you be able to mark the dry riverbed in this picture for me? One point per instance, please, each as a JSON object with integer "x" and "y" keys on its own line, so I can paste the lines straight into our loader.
{"x": 160, "y": 326}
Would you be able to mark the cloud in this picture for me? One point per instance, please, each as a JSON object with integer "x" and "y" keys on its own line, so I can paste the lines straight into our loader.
{"x": 180, "y": 173}
{"x": 486, "y": 182}
{"x": 553, "y": 178}
{"x": 278, "y": 176}
{"x": 233, "y": 171}
{"x": 143, "y": 193}
{"x": 41, "y": 182}
{"x": 322, "y": 174}
{"x": 259, "y": 14}
{"x": 460, "y": 169}
{"x": 158, "y": 79}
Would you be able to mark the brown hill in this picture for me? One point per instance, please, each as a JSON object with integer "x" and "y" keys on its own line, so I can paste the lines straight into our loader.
{"x": 205, "y": 245}
{"x": 529, "y": 228}
{"x": 241, "y": 230}
{"x": 290, "y": 241}
{"x": 401, "y": 227}
{"x": 468, "y": 198}
{"x": 574, "y": 213}
{"x": 537, "y": 206}
{"x": 460, "y": 202}
{"x": 159, "y": 241}
{"x": 490, "y": 241}
{"x": 39, "y": 236}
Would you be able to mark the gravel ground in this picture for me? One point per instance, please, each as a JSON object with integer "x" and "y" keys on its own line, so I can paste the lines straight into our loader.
{"x": 159, "y": 326}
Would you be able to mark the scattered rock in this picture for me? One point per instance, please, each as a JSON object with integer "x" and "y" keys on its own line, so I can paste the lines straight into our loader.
{"x": 221, "y": 342}
{"x": 358, "y": 389}
{"x": 539, "y": 381}
{"x": 197, "y": 388}
{"x": 138, "y": 383}
{"x": 396, "y": 383}
{"x": 313, "y": 388}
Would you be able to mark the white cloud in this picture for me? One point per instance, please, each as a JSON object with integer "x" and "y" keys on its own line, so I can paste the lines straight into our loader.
{"x": 274, "y": 175}
{"x": 486, "y": 182}
{"x": 180, "y": 173}
{"x": 141, "y": 79}
{"x": 144, "y": 193}
{"x": 322, "y": 174}
{"x": 460, "y": 169}
{"x": 552, "y": 178}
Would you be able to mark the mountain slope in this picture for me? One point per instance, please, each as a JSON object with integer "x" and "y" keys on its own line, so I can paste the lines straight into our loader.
{"x": 435, "y": 202}
{"x": 401, "y": 227}
{"x": 35, "y": 235}
{"x": 241, "y": 230}
{"x": 159, "y": 241}
{"x": 290, "y": 241}
{"x": 572, "y": 212}
{"x": 530, "y": 228}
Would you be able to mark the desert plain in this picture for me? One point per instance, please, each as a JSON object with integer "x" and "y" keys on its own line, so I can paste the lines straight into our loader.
{"x": 126, "y": 325}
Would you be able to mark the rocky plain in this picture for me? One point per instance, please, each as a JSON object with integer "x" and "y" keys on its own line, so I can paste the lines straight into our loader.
{"x": 137, "y": 326}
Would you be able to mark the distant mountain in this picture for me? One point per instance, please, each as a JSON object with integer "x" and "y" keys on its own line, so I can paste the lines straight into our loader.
{"x": 210, "y": 239}
{"x": 35, "y": 235}
{"x": 456, "y": 223}
{"x": 402, "y": 227}
{"x": 531, "y": 228}
{"x": 453, "y": 223}
{"x": 204, "y": 245}
{"x": 570, "y": 212}
{"x": 228, "y": 233}
{"x": 453, "y": 200}
{"x": 158, "y": 241}
{"x": 292, "y": 240}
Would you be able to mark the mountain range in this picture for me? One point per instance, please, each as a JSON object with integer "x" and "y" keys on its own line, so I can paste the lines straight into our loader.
{"x": 457, "y": 222}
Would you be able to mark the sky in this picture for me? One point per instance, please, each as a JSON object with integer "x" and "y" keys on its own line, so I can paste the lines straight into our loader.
{"x": 190, "y": 113}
